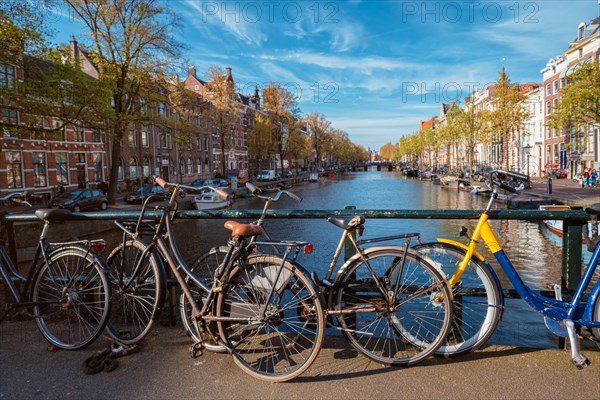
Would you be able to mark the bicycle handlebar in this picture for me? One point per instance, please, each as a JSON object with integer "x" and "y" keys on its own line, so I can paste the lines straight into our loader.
{"x": 17, "y": 197}
{"x": 165, "y": 185}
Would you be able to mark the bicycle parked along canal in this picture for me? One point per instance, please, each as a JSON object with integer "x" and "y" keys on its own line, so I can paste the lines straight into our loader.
{"x": 478, "y": 293}
{"x": 66, "y": 288}
{"x": 204, "y": 267}
{"x": 267, "y": 312}
{"x": 391, "y": 305}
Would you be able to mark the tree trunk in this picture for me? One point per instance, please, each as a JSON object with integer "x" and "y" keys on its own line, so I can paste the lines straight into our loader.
{"x": 114, "y": 169}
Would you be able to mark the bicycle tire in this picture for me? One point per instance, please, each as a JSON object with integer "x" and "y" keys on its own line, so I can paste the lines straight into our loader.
{"x": 477, "y": 297}
{"x": 136, "y": 305}
{"x": 72, "y": 296}
{"x": 204, "y": 269}
{"x": 282, "y": 345}
{"x": 405, "y": 332}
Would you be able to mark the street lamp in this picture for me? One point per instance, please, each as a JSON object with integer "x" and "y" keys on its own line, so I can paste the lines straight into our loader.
{"x": 528, "y": 154}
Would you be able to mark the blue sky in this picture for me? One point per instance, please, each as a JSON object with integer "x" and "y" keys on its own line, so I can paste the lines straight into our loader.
{"x": 375, "y": 68}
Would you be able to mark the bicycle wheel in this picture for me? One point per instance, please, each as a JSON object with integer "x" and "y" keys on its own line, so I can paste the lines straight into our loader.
{"x": 596, "y": 318}
{"x": 404, "y": 323}
{"x": 137, "y": 295}
{"x": 477, "y": 298}
{"x": 203, "y": 269}
{"x": 73, "y": 298}
{"x": 279, "y": 326}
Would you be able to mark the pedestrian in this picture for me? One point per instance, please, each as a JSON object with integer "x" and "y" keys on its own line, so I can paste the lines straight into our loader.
{"x": 584, "y": 178}
{"x": 593, "y": 177}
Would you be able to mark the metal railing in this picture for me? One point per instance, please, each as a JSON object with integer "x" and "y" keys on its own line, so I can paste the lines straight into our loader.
{"x": 572, "y": 225}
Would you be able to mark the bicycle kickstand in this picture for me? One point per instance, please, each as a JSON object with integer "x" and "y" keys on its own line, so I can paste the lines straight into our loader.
{"x": 578, "y": 359}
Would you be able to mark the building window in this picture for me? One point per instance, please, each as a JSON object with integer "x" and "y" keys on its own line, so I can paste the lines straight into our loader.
{"x": 555, "y": 105}
{"x": 133, "y": 168}
{"x": 7, "y": 76}
{"x": 144, "y": 138}
{"x": 196, "y": 87}
{"x": 62, "y": 168}
{"x": 79, "y": 134}
{"x": 9, "y": 116}
{"x": 14, "y": 170}
{"x": 548, "y": 89}
{"x": 190, "y": 166}
{"x": 563, "y": 82}
{"x": 96, "y": 136}
{"x": 548, "y": 107}
{"x": 98, "y": 170}
{"x": 40, "y": 178}
{"x": 81, "y": 165}
{"x": 556, "y": 86}
{"x": 146, "y": 167}
{"x": 120, "y": 170}
{"x": 181, "y": 166}
{"x": 131, "y": 138}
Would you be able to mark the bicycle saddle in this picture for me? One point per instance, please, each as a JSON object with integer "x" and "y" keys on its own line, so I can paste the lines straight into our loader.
{"x": 347, "y": 223}
{"x": 238, "y": 229}
{"x": 53, "y": 215}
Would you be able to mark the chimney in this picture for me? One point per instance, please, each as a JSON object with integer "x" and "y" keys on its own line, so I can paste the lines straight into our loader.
{"x": 192, "y": 71}
{"x": 228, "y": 75}
{"x": 74, "y": 51}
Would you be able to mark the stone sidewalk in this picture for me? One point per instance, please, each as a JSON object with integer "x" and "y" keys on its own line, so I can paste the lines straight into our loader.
{"x": 164, "y": 370}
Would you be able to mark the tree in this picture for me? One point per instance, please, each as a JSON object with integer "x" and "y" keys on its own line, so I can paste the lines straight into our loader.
{"x": 388, "y": 152}
{"x": 131, "y": 43}
{"x": 260, "y": 139}
{"x": 508, "y": 114}
{"x": 298, "y": 143}
{"x": 319, "y": 131}
{"x": 23, "y": 28}
{"x": 223, "y": 113}
{"x": 281, "y": 107}
{"x": 579, "y": 105}
{"x": 475, "y": 129}
{"x": 55, "y": 93}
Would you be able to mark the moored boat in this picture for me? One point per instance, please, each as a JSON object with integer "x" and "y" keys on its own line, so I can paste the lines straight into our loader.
{"x": 210, "y": 200}
{"x": 556, "y": 225}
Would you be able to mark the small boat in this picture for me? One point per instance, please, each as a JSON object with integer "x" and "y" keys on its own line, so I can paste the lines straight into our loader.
{"x": 313, "y": 177}
{"x": 209, "y": 200}
{"x": 556, "y": 225}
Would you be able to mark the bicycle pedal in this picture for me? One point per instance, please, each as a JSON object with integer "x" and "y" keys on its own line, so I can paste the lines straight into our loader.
{"x": 196, "y": 350}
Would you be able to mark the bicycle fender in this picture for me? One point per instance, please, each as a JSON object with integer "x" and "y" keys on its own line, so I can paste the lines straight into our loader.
{"x": 83, "y": 251}
{"x": 342, "y": 270}
{"x": 462, "y": 246}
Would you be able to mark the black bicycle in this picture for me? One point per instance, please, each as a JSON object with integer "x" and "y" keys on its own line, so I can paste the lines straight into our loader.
{"x": 66, "y": 288}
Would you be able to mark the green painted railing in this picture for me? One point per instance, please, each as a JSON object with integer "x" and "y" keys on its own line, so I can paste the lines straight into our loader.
{"x": 572, "y": 226}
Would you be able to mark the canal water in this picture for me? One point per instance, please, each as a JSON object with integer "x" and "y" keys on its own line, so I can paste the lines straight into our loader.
{"x": 528, "y": 244}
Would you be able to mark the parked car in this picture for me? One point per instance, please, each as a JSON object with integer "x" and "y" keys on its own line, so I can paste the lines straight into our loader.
{"x": 140, "y": 195}
{"x": 288, "y": 174}
{"x": 80, "y": 200}
{"x": 267, "y": 175}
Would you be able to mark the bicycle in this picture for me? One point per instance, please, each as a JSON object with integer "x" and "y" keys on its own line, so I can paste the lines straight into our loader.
{"x": 66, "y": 287}
{"x": 205, "y": 266}
{"x": 391, "y": 305}
{"x": 266, "y": 310}
{"x": 563, "y": 318}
